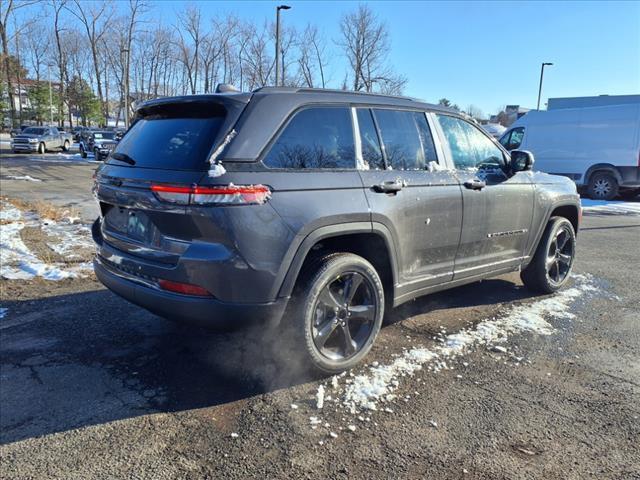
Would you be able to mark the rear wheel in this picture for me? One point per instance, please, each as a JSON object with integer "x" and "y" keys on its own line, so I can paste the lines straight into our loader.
{"x": 551, "y": 265}
{"x": 66, "y": 146}
{"x": 602, "y": 186}
{"x": 338, "y": 310}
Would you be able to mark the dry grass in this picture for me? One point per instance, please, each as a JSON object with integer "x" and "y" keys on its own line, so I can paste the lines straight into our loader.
{"x": 44, "y": 210}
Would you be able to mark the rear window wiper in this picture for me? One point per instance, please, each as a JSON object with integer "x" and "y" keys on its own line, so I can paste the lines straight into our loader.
{"x": 123, "y": 157}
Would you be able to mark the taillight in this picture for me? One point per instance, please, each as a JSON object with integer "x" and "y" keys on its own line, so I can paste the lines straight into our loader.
{"x": 218, "y": 195}
{"x": 183, "y": 288}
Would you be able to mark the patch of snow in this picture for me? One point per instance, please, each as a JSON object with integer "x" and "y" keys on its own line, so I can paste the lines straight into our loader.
{"x": 367, "y": 390}
{"x": 234, "y": 435}
{"x": 217, "y": 170}
{"x": 294, "y": 406}
{"x": 28, "y": 178}
{"x": 17, "y": 262}
{"x": 610, "y": 207}
{"x": 3, "y": 312}
{"x": 320, "y": 397}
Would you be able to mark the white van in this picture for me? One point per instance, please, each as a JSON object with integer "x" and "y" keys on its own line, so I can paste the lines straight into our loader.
{"x": 597, "y": 147}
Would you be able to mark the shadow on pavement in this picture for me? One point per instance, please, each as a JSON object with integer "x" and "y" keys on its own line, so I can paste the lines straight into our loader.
{"x": 89, "y": 358}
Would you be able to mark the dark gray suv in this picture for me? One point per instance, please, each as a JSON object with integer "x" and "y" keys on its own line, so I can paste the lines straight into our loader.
{"x": 317, "y": 210}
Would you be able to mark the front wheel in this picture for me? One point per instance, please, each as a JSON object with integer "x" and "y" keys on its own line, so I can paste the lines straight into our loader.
{"x": 66, "y": 146}
{"x": 551, "y": 265}
{"x": 42, "y": 148}
{"x": 603, "y": 186}
{"x": 339, "y": 305}
{"x": 83, "y": 152}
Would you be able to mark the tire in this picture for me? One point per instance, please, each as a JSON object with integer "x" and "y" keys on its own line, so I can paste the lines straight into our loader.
{"x": 602, "y": 186}
{"x": 42, "y": 149}
{"x": 83, "y": 152}
{"x": 551, "y": 265}
{"x": 65, "y": 147}
{"x": 331, "y": 334}
{"x": 96, "y": 154}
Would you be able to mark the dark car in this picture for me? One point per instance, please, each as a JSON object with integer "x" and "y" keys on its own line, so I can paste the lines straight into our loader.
{"x": 98, "y": 142}
{"x": 225, "y": 210}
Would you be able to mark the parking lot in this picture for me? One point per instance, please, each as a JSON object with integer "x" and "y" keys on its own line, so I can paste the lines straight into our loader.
{"x": 94, "y": 387}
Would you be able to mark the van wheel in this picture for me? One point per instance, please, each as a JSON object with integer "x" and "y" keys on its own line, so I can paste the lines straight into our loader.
{"x": 41, "y": 149}
{"x": 551, "y": 265}
{"x": 602, "y": 186}
{"x": 337, "y": 312}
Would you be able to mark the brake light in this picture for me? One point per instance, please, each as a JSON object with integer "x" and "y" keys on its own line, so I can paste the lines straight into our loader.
{"x": 222, "y": 195}
{"x": 183, "y": 288}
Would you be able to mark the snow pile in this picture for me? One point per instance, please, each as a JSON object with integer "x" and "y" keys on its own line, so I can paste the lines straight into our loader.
{"x": 28, "y": 178}
{"x": 366, "y": 391}
{"x": 3, "y": 312}
{"x": 609, "y": 207}
{"x": 17, "y": 262}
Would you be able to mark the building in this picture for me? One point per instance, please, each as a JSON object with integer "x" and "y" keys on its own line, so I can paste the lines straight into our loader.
{"x": 510, "y": 114}
{"x": 598, "y": 101}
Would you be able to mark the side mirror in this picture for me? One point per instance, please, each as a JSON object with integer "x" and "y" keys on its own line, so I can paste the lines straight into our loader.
{"x": 521, "y": 160}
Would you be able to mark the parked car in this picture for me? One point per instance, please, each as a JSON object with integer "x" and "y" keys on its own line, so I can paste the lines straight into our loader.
{"x": 16, "y": 131}
{"x": 494, "y": 129}
{"x": 100, "y": 142}
{"x": 41, "y": 139}
{"x": 597, "y": 147}
{"x": 331, "y": 206}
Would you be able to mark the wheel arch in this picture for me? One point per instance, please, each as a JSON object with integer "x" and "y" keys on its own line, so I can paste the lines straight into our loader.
{"x": 373, "y": 243}
{"x": 570, "y": 211}
{"x": 602, "y": 167}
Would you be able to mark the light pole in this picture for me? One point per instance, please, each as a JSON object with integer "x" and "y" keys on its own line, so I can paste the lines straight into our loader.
{"x": 278, "y": 8}
{"x": 540, "y": 87}
{"x": 50, "y": 95}
{"x": 126, "y": 88}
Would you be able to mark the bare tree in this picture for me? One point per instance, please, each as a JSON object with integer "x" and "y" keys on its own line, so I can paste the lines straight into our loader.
{"x": 5, "y": 14}
{"x": 190, "y": 35}
{"x": 474, "y": 112}
{"x": 366, "y": 43}
{"x": 95, "y": 18}
{"x": 58, "y": 6}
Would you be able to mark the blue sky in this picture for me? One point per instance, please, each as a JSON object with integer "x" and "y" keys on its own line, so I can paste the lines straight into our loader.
{"x": 484, "y": 53}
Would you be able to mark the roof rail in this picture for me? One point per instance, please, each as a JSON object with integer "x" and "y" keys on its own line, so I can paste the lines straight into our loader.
{"x": 328, "y": 90}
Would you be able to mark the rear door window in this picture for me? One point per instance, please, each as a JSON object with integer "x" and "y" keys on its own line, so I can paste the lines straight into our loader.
{"x": 316, "y": 137}
{"x": 371, "y": 151}
{"x": 406, "y": 137}
{"x": 173, "y": 137}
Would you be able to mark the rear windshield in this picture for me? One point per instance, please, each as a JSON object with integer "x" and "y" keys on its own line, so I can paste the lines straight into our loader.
{"x": 173, "y": 137}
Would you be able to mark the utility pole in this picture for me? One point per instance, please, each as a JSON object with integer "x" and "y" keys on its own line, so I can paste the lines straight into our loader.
{"x": 126, "y": 88}
{"x": 540, "y": 87}
{"x": 50, "y": 95}
{"x": 278, "y": 8}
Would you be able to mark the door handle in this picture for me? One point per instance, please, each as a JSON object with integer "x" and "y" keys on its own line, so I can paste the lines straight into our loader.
{"x": 475, "y": 184}
{"x": 388, "y": 187}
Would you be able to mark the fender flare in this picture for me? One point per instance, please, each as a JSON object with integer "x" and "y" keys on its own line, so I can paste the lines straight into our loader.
{"x": 299, "y": 254}
{"x": 547, "y": 217}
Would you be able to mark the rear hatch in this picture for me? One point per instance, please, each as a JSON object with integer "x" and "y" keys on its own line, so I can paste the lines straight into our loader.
{"x": 169, "y": 143}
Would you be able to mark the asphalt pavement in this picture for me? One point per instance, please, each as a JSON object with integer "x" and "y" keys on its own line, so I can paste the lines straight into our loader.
{"x": 94, "y": 387}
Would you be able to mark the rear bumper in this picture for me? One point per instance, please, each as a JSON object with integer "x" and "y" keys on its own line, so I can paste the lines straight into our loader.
{"x": 204, "y": 312}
